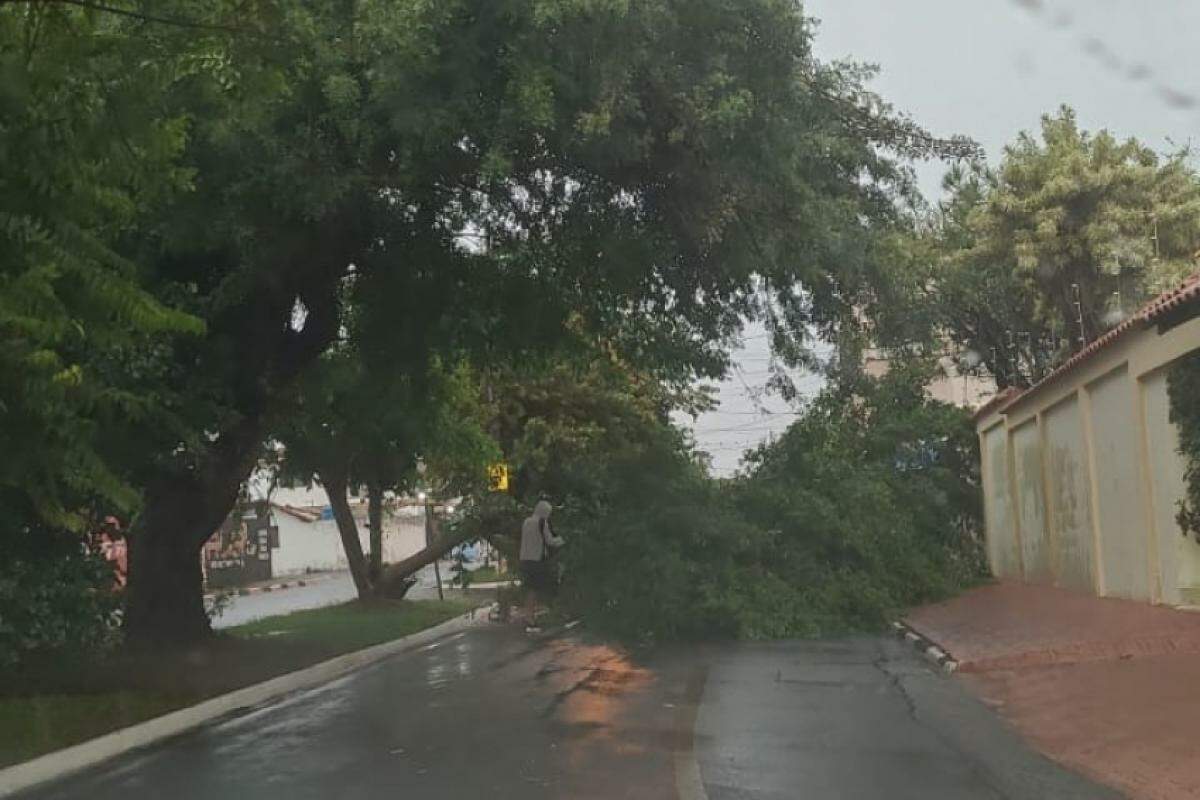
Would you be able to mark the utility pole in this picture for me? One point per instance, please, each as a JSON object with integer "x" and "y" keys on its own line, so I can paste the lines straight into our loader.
{"x": 429, "y": 526}
{"x": 430, "y": 536}
{"x": 1079, "y": 314}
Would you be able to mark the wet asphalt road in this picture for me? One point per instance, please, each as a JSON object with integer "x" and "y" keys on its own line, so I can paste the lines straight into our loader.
{"x": 490, "y": 713}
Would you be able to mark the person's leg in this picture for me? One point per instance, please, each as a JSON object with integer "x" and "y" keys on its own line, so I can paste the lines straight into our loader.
{"x": 537, "y": 589}
{"x": 529, "y": 586}
{"x": 530, "y": 604}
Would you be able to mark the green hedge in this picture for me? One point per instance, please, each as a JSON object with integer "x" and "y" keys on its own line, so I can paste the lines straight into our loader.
{"x": 1183, "y": 383}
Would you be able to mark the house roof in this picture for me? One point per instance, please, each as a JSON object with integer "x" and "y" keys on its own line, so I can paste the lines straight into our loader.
{"x": 1171, "y": 300}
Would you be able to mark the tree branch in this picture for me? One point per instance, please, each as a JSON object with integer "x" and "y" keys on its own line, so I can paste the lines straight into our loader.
{"x": 154, "y": 18}
{"x": 396, "y": 575}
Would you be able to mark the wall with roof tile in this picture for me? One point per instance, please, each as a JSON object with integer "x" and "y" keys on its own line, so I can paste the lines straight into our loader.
{"x": 1081, "y": 473}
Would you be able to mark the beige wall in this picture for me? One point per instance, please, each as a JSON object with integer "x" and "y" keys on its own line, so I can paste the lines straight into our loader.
{"x": 1067, "y": 469}
{"x": 1031, "y": 502}
{"x": 1004, "y": 552}
{"x": 1123, "y": 536}
{"x": 1082, "y": 476}
{"x": 1177, "y": 554}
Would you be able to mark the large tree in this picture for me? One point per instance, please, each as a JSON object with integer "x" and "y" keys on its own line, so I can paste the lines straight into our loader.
{"x": 620, "y": 162}
{"x": 1092, "y": 223}
{"x": 1023, "y": 264}
{"x": 939, "y": 292}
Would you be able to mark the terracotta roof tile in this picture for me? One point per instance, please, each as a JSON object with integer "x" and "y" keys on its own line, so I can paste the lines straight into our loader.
{"x": 1181, "y": 295}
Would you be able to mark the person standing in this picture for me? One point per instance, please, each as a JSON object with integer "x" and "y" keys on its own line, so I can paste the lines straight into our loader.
{"x": 538, "y": 543}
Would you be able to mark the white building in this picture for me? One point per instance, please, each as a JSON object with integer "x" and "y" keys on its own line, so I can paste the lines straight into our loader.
{"x": 952, "y": 386}
{"x": 308, "y": 536}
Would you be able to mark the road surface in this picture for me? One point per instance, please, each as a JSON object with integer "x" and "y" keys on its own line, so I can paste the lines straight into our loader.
{"x": 491, "y": 713}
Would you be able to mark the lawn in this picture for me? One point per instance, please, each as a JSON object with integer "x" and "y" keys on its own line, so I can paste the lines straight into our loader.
{"x": 63, "y": 700}
{"x": 353, "y": 626}
{"x": 31, "y": 726}
{"x": 489, "y": 574}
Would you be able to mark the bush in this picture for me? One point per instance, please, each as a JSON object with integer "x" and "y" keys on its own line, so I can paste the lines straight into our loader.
{"x": 1183, "y": 384}
{"x": 869, "y": 503}
{"x": 54, "y": 594}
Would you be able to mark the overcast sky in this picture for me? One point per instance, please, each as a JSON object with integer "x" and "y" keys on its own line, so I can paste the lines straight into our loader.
{"x": 989, "y": 69}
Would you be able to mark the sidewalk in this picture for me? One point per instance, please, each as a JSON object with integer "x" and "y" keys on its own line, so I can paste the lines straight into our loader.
{"x": 1108, "y": 687}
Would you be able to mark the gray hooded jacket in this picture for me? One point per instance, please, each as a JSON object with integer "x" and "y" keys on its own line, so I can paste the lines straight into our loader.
{"x": 536, "y": 536}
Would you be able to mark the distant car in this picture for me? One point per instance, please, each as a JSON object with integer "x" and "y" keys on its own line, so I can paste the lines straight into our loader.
{"x": 468, "y": 552}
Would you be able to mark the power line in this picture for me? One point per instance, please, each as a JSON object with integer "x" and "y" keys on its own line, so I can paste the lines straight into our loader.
{"x": 768, "y": 414}
{"x": 1108, "y": 56}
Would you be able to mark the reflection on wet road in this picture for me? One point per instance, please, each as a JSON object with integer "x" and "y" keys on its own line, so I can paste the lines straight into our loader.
{"x": 489, "y": 713}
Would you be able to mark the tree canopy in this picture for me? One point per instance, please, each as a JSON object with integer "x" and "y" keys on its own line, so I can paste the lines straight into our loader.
{"x": 1023, "y": 264}
{"x": 85, "y": 157}
{"x": 501, "y": 174}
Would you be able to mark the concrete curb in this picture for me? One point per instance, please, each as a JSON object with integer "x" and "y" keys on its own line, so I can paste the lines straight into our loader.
{"x": 934, "y": 654}
{"x": 93, "y": 752}
{"x": 243, "y": 591}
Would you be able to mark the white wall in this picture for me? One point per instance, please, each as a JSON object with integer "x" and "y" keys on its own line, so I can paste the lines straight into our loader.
{"x": 306, "y": 546}
{"x": 403, "y": 534}
{"x": 317, "y": 546}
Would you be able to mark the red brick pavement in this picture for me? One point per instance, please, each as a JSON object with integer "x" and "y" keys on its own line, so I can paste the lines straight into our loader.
{"x": 1108, "y": 687}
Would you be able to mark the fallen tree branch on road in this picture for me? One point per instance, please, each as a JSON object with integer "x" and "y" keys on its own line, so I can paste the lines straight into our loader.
{"x": 395, "y": 578}
{"x": 492, "y": 525}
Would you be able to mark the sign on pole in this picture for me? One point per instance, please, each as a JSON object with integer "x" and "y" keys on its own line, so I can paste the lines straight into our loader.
{"x": 498, "y": 477}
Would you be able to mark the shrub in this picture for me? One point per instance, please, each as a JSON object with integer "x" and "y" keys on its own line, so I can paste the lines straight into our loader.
{"x": 1183, "y": 384}
{"x": 54, "y": 594}
{"x": 869, "y": 503}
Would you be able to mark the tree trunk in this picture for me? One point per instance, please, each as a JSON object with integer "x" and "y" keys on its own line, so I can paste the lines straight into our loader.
{"x": 396, "y": 575}
{"x": 166, "y": 583}
{"x": 334, "y": 480}
{"x": 166, "y": 594}
{"x": 375, "y": 519}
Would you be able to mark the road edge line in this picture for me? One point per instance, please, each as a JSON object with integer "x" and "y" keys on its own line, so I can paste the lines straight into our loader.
{"x": 93, "y": 752}
{"x": 689, "y": 785}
